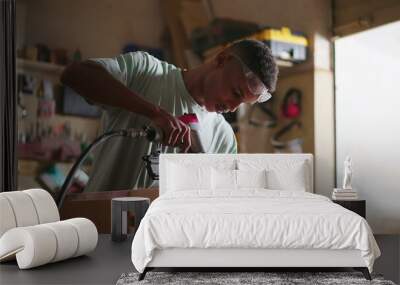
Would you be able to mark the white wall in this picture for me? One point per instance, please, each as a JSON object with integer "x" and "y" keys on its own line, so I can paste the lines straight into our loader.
{"x": 368, "y": 120}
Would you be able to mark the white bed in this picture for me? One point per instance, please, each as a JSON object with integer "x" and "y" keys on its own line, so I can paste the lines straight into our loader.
{"x": 202, "y": 220}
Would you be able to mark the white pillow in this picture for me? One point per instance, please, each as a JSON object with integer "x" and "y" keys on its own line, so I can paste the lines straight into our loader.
{"x": 290, "y": 178}
{"x": 226, "y": 179}
{"x": 193, "y": 174}
{"x": 223, "y": 179}
{"x": 251, "y": 178}
{"x": 188, "y": 177}
{"x": 280, "y": 174}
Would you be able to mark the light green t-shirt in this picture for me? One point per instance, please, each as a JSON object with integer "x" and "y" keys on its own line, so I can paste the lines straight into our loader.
{"x": 118, "y": 162}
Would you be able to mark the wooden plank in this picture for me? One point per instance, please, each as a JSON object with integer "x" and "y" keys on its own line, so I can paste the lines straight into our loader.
{"x": 193, "y": 15}
{"x": 355, "y": 16}
{"x": 360, "y": 6}
{"x": 347, "y": 15}
{"x": 180, "y": 43}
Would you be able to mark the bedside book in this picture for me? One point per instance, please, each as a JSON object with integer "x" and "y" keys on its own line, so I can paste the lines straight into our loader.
{"x": 344, "y": 194}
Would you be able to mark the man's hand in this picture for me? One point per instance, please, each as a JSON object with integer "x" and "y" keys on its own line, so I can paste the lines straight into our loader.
{"x": 175, "y": 132}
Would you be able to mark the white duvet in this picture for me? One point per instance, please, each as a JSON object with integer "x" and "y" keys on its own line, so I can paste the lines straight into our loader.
{"x": 253, "y": 218}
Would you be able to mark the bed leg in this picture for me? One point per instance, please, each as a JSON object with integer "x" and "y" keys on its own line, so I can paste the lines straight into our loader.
{"x": 364, "y": 271}
{"x": 143, "y": 274}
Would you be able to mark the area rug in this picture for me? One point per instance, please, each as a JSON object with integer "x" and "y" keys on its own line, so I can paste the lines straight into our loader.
{"x": 244, "y": 278}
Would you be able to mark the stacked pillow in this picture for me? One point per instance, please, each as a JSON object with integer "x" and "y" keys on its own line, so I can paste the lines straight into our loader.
{"x": 187, "y": 175}
{"x": 237, "y": 179}
{"x": 280, "y": 174}
{"x": 231, "y": 175}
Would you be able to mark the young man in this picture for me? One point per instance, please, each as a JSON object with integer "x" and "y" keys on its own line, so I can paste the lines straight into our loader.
{"x": 136, "y": 89}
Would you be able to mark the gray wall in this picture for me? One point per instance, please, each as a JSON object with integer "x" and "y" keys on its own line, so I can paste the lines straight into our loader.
{"x": 388, "y": 263}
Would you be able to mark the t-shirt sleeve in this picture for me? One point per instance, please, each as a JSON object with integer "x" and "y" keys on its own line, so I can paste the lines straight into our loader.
{"x": 232, "y": 145}
{"x": 112, "y": 66}
{"x": 228, "y": 143}
{"x": 131, "y": 69}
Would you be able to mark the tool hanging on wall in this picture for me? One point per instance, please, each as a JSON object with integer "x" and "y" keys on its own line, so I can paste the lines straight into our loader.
{"x": 266, "y": 108}
{"x": 291, "y": 109}
{"x": 20, "y": 81}
{"x": 294, "y": 145}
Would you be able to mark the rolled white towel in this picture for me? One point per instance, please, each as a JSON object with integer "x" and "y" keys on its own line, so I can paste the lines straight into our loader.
{"x": 32, "y": 246}
{"x": 23, "y": 208}
{"x": 45, "y": 206}
{"x": 40, "y": 244}
{"x": 87, "y": 234}
{"x": 67, "y": 240}
{"x": 26, "y": 208}
{"x": 7, "y": 218}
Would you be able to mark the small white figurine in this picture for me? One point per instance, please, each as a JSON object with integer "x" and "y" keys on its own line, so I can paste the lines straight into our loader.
{"x": 348, "y": 173}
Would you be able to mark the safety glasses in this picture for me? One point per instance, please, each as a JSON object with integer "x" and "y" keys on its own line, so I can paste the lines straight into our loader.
{"x": 255, "y": 85}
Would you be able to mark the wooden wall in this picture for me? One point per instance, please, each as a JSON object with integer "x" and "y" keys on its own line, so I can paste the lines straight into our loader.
{"x": 100, "y": 28}
{"x": 352, "y": 16}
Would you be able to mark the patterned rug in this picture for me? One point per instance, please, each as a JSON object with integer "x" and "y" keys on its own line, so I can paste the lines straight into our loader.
{"x": 243, "y": 278}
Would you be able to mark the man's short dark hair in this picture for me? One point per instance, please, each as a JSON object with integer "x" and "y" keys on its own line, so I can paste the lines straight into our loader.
{"x": 258, "y": 58}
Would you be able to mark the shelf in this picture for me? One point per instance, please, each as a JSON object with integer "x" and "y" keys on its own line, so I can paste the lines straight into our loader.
{"x": 282, "y": 63}
{"x": 295, "y": 69}
{"x": 286, "y": 68}
{"x": 45, "y": 160}
{"x": 39, "y": 68}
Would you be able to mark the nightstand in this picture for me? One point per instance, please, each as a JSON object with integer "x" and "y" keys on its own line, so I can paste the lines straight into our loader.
{"x": 357, "y": 206}
{"x": 119, "y": 217}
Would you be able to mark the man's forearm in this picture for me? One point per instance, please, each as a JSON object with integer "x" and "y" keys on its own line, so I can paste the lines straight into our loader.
{"x": 93, "y": 82}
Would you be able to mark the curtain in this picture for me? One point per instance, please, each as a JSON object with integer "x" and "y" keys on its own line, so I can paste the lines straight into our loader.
{"x": 8, "y": 120}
